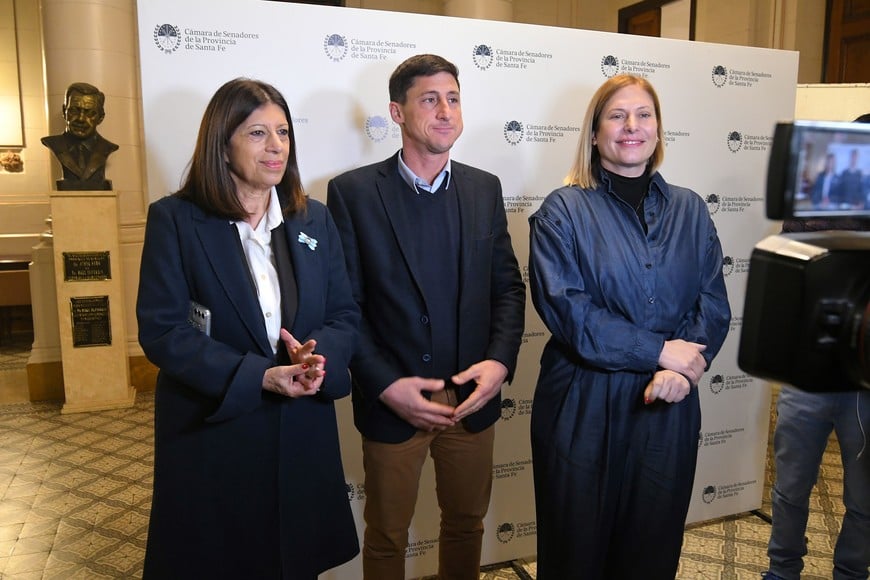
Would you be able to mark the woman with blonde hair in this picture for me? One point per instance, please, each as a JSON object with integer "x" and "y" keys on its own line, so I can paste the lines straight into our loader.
{"x": 626, "y": 272}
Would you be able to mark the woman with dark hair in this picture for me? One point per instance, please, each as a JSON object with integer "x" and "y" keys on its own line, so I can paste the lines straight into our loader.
{"x": 243, "y": 300}
{"x": 626, "y": 272}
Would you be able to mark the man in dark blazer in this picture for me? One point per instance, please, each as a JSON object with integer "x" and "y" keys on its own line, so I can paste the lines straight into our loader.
{"x": 826, "y": 182}
{"x": 81, "y": 151}
{"x": 433, "y": 270}
{"x": 850, "y": 187}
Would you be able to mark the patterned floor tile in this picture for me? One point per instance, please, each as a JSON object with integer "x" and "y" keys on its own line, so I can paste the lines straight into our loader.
{"x": 75, "y": 499}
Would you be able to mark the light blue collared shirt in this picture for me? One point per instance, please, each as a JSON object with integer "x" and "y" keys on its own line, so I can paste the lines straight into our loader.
{"x": 418, "y": 184}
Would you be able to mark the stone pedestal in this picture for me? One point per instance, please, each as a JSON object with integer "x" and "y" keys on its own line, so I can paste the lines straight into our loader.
{"x": 90, "y": 301}
{"x": 44, "y": 367}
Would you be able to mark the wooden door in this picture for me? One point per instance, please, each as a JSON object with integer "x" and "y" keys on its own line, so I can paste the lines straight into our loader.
{"x": 847, "y": 58}
{"x": 643, "y": 18}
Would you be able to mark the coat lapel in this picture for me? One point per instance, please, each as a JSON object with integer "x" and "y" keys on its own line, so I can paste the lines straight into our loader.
{"x": 390, "y": 186}
{"x": 302, "y": 239}
{"x": 465, "y": 194}
{"x": 228, "y": 264}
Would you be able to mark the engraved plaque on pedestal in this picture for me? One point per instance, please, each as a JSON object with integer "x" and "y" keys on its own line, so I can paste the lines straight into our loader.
{"x": 91, "y": 323}
{"x": 84, "y": 266}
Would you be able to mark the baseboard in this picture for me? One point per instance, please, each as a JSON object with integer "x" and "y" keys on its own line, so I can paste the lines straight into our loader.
{"x": 45, "y": 380}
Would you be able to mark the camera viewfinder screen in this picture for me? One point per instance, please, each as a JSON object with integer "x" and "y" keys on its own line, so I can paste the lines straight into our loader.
{"x": 833, "y": 170}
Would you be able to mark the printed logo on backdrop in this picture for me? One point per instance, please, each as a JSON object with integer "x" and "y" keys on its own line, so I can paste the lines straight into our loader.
{"x": 513, "y": 132}
{"x": 735, "y": 141}
{"x": 508, "y": 409}
{"x": 736, "y": 323}
{"x": 519, "y": 204}
{"x": 532, "y": 333}
{"x": 420, "y": 547}
{"x": 720, "y": 76}
{"x": 167, "y": 37}
{"x": 737, "y": 78}
{"x": 377, "y": 128}
{"x": 711, "y": 493}
{"x": 732, "y": 203}
{"x": 511, "y": 469}
{"x": 610, "y": 66}
{"x": 511, "y": 408}
{"x": 732, "y": 265}
{"x": 711, "y": 438}
{"x": 482, "y": 56}
{"x": 719, "y": 383}
{"x": 516, "y": 132}
{"x": 337, "y": 47}
{"x": 355, "y": 492}
{"x": 672, "y": 136}
{"x": 746, "y": 78}
{"x": 712, "y": 201}
{"x": 507, "y": 531}
{"x": 741, "y": 141}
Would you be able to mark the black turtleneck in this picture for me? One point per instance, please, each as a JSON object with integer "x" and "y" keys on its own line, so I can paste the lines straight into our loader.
{"x": 631, "y": 190}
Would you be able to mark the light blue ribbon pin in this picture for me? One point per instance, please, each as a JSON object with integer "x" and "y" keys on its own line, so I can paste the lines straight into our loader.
{"x": 307, "y": 240}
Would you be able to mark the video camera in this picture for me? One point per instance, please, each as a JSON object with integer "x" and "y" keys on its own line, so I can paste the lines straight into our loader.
{"x": 806, "y": 317}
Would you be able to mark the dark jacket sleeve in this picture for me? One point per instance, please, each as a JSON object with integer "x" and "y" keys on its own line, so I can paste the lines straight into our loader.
{"x": 374, "y": 367}
{"x": 215, "y": 366}
{"x": 708, "y": 322}
{"x": 508, "y": 293}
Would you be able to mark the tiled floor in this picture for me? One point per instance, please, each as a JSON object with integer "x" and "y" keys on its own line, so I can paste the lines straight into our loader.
{"x": 76, "y": 491}
{"x": 75, "y": 496}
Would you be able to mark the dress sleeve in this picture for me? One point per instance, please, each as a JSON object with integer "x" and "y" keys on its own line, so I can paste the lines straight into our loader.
{"x": 600, "y": 338}
{"x": 708, "y": 321}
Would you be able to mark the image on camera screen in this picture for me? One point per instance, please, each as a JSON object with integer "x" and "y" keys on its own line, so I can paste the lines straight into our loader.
{"x": 833, "y": 172}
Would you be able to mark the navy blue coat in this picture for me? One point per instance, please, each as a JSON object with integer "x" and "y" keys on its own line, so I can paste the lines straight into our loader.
{"x": 395, "y": 333}
{"x": 247, "y": 484}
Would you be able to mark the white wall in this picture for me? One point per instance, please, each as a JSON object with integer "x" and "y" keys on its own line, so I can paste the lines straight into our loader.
{"x": 821, "y": 102}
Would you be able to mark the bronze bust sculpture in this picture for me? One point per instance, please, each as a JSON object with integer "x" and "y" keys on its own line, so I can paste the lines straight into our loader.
{"x": 82, "y": 151}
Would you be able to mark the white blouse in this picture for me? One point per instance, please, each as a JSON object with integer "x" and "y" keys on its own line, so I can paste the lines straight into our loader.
{"x": 257, "y": 244}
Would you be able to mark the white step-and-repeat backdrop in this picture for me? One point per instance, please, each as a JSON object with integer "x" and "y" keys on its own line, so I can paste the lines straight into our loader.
{"x": 524, "y": 92}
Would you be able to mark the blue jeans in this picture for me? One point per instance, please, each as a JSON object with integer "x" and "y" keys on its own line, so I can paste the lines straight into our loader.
{"x": 804, "y": 422}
